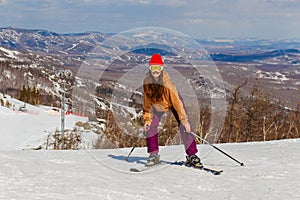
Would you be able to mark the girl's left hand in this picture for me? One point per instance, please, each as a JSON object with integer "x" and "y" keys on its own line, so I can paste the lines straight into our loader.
{"x": 187, "y": 127}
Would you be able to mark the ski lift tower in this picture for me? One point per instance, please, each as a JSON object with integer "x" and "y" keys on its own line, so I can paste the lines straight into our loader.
{"x": 63, "y": 75}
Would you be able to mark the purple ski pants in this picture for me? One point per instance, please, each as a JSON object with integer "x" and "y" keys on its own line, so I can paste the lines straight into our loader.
{"x": 152, "y": 134}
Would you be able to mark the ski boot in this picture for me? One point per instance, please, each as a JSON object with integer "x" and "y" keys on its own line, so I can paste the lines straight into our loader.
{"x": 153, "y": 159}
{"x": 193, "y": 160}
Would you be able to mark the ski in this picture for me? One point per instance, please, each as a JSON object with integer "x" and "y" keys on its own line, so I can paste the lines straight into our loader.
{"x": 212, "y": 171}
{"x": 147, "y": 167}
{"x": 178, "y": 163}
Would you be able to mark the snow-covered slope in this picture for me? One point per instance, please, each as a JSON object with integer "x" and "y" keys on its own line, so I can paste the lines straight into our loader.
{"x": 24, "y": 126}
{"x": 271, "y": 169}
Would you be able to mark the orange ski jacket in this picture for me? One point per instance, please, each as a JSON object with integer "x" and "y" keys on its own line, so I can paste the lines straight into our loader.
{"x": 170, "y": 98}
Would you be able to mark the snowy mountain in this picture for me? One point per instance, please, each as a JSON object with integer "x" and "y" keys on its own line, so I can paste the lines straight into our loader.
{"x": 275, "y": 63}
{"x": 47, "y": 41}
{"x": 258, "y": 56}
{"x": 106, "y": 85}
{"x": 31, "y": 57}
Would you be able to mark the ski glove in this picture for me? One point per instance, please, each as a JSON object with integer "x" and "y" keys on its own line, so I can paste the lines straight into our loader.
{"x": 146, "y": 127}
{"x": 187, "y": 127}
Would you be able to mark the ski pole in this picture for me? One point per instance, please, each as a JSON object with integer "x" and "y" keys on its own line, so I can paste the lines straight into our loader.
{"x": 194, "y": 134}
{"x": 136, "y": 143}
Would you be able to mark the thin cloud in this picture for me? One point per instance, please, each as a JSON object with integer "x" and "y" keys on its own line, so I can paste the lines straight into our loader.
{"x": 3, "y": 2}
{"x": 230, "y": 18}
{"x": 171, "y": 3}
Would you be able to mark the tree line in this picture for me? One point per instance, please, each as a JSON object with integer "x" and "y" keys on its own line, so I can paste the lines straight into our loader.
{"x": 254, "y": 116}
{"x": 30, "y": 95}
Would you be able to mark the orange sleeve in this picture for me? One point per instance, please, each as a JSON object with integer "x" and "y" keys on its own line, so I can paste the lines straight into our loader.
{"x": 177, "y": 103}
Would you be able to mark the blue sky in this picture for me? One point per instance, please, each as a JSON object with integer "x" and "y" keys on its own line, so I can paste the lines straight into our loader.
{"x": 269, "y": 19}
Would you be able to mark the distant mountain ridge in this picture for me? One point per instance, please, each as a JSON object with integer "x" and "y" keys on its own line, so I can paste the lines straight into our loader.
{"x": 44, "y": 41}
{"x": 49, "y": 42}
{"x": 254, "y": 56}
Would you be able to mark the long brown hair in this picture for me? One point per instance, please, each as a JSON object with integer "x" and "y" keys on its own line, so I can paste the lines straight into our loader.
{"x": 154, "y": 90}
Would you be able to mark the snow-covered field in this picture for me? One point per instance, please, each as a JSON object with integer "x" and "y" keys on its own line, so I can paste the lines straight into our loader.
{"x": 29, "y": 128}
{"x": 271, "y": 170}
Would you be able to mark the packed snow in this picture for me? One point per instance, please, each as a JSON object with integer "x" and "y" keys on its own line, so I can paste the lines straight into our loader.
{"x": 271, "y": 169}
{"x": 24, "y": 126}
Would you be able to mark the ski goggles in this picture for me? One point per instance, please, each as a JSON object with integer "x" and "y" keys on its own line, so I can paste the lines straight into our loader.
{"x": 156, "y": 68}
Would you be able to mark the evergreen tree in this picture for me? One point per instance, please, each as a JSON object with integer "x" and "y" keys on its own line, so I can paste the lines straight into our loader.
{"x": 2, "y": 102}
{"x": 7, "y": 104}
{"x": 30, "y": 95}
{"x": 22, "y": 94}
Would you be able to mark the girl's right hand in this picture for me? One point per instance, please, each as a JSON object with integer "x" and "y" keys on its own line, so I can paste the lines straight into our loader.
{"x": 146, "y": 127}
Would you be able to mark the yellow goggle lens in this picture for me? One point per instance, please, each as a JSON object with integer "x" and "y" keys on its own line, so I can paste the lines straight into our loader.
{"x": 156, "y": 68}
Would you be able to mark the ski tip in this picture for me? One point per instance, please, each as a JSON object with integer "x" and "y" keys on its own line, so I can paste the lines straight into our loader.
{"x": 218, "y": 172}
{"x": 134, "y": 170}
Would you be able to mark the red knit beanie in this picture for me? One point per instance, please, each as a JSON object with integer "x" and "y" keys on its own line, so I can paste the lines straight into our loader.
{"x": 156, "y": 59}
